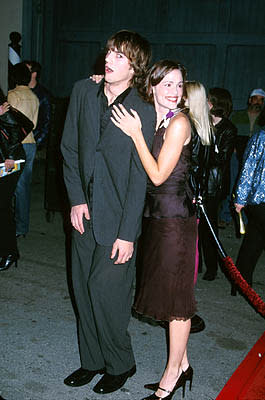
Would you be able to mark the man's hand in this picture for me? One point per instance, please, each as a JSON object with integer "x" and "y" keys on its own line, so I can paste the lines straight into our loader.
{"x": 124, "y": 249}
{"x": 77, "y": 213}
{"x": 238, "y": 207}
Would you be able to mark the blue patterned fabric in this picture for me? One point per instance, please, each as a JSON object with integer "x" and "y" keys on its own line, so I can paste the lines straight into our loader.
{"x": 251, "y": 184}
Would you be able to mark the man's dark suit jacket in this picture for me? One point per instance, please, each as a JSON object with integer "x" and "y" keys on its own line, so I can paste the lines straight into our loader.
{"x": 119, "y": 180}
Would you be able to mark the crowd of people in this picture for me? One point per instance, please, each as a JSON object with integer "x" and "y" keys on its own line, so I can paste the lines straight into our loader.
{"x": 140, "y": 147}
{"x": 24, "y": 122}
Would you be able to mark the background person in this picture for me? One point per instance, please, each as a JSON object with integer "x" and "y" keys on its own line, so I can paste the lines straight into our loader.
{"x": 250, "y": 194}
{"x": 220, "y": 103}
{"x": 248, "y": 121}
{"x": 23, "y": 99}
{"x": 10, "y": 150}
{"x": 202, "y": 137}
{"x": 44, "y": 116}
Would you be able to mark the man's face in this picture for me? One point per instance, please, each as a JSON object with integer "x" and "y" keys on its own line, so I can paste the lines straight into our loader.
{"x": 117, "y": 68}
{"x": 256, "y": 103}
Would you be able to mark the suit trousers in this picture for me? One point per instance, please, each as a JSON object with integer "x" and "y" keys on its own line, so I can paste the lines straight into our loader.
{"x": 8, "y": 240}
{"x": 103, "y": 293}
{"x": 253, "y": 243}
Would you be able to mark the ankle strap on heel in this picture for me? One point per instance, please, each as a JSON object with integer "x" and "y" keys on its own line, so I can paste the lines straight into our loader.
{"x": 164, "y": 390}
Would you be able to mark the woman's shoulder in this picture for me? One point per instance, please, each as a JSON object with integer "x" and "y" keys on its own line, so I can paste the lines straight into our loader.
{"x": 180, "y": 120}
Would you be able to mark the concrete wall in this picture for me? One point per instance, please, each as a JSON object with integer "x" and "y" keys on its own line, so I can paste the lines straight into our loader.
{"x": 10, "y": 20}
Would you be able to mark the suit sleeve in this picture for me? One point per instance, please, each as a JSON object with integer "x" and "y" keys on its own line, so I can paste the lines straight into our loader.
{"x": 130, "y": 226}
{"x": 69, "y": 148}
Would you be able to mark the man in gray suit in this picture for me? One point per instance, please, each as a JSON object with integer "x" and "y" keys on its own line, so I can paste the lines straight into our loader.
{"x": 106, "y": 185}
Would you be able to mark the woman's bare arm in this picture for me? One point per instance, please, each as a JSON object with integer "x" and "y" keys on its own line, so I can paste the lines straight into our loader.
{"x": 177, "y": 135}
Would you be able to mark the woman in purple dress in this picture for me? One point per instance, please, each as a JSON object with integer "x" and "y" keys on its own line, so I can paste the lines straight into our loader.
{"x": 166, "y": 291}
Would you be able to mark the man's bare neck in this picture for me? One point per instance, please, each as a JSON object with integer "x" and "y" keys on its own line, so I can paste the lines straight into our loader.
{"x": 112, "y": 90}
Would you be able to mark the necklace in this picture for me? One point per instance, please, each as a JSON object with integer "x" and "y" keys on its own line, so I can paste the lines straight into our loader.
{"x": 171, "y": 113}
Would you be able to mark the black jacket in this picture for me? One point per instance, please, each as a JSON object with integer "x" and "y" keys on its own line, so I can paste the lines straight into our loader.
{"x": 110, "y": 159}
{"x": 220, "y": 155}
{"x": 199, "y": 165}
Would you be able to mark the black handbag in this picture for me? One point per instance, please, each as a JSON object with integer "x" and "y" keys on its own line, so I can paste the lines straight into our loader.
{"x": 13, "y": 118}
{"x": 14, "y": 127}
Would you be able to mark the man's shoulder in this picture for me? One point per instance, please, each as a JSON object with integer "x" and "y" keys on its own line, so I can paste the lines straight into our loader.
{"x": 137, "y": 101}
{"x": 13, "y": 93}
{"x": 23, "y": 93}
{"x": 85, "y": 85}
{"x": 229, "y": 125}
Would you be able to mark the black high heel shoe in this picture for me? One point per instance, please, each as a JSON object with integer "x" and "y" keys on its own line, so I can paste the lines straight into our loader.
{"x": 170, "y": 393}
{"x": 188, "y": 376}
{"x": 7, "y": 261}
{"x": 155, "y": 397}
{"x": 181, "y": 382}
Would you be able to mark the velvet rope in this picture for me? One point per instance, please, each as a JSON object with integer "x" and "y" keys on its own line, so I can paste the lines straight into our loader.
{"x": 246, "y": 289}
{"x": 234, "y": 273}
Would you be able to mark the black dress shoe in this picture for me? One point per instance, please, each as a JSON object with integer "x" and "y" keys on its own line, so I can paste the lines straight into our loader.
{"x": 209, "y": 276}
{"x": 7, "y": 261}
{"x": 197, "y": 324}
{"x": 110, "y": 383}
{"x": 81, "y": 377}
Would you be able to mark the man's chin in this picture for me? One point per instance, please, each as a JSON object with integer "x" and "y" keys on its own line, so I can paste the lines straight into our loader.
{"x": 108, "y": 78}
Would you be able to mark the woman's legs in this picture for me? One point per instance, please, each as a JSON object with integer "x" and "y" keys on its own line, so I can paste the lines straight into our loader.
{"x": 178, "y": 360}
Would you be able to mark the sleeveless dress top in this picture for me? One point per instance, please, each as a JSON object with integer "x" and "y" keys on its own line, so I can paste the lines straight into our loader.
{"x": 174, "y": 197}
{"x": 166, "y": 253}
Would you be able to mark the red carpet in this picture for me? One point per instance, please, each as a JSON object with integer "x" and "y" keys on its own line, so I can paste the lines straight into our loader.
{"x": 248, "y": 381}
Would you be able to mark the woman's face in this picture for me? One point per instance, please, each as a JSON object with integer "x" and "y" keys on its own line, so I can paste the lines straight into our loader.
{"x": 168, "y": 93}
